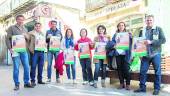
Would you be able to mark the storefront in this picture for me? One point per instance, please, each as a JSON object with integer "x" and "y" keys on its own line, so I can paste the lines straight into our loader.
{"x": 115, "y": 11}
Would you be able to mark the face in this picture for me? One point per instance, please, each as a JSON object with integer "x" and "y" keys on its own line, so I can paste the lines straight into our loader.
{"x": 53, "y": 25}
{"x": 101, "y": 31}
{"x": 83, "y": 33}
{"x": 20, "y": 20}
{"x": 38, "y": 27}
{"x": 69, "y": 33}
{"x": 149, "y": 21}
{"x": 121, "y": 27}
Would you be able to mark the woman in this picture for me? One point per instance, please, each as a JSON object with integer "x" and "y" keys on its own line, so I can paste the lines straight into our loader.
{"x": 85, "y": 59}
{"x": 123, "y": 58}
{"x": 100, "y": 63}
{"x": 68, "y": 44}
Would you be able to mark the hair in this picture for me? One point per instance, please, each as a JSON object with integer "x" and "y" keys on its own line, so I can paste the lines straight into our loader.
{"x": 19, "y": 16}
{"x": 37, "y": 23}
{"x": 152, "y": 16}
{"x": 82, "y": 30}
{"x": 118, "y": 26}
{"x": 67, "y": 32}
{"x": 103, "y": 27}
{"x": 53, "y": 21}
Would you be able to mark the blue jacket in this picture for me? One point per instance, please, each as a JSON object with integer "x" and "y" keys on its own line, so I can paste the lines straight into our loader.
{"x": 54, "y": 33}
{"x": 155, "y": 47}
{"x": 112, "y": 43}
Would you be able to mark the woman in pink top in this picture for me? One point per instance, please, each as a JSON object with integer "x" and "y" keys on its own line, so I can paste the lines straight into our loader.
{"x": 84, "y": 46}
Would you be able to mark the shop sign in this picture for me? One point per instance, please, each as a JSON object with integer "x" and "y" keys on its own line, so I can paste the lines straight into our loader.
{"x": 43, "y": 10}
{"x": 111, "y": 9}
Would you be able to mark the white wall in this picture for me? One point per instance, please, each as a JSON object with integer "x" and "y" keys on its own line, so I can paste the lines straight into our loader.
{"x": 160, "y": 9}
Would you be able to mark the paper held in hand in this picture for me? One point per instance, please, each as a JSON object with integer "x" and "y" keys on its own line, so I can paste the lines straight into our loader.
{"x": 18, "y": 43}
{"x": 69, "y": 56}
{"x": 40, "y": 43}
{"x": 54, "y": 43}
{"x": 84, "y": 50}
{"x": 122, "y": 40}
{"x": 100, "y": 50}
{"x": 139, "y": 48}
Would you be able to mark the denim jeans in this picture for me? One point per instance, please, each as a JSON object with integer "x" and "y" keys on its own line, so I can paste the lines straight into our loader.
{"x": 50, "y": 59}
{"x": 86, "y": 69}
{"x": 23, "y": 56}
{"x": 73, "y": 70}
{"x": 38, "y": 58}
{"x": 100, "y": 66}
{"x": 146, "y": 61}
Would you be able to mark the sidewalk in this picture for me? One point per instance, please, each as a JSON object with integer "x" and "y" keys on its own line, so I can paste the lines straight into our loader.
{"x": 68, "y": 89}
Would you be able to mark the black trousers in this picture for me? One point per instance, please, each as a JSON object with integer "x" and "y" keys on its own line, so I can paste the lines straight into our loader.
{"x": 123, "y": 69}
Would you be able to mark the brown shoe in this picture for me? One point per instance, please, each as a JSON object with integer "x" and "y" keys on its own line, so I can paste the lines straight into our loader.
{"x": 127, "y": 87}
{"x": 121, "y": 86}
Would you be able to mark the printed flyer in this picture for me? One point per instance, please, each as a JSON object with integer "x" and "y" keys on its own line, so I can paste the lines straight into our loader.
{"x": 100, "y": 50}
{"x": 54, "y": 43}
{"x": 84, "y": 50}
{"x": 18, "y": 43}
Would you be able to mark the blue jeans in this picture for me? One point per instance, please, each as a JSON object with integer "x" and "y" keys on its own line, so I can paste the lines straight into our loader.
{"x": 86, "y": 69}
{"x": 50, "y": 59}
{"x": 23, "y": 56}
{"x": 100, "y": 66}
{"x": 38, "y": 58}
{"x": 73, "y": 69}
{"x": 156, "y": 61}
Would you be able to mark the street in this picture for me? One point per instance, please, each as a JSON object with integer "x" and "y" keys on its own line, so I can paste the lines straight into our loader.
{"x": 66, "y": 88}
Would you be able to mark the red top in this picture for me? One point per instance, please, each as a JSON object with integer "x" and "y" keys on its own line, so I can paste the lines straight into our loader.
{"x": 83, "y": 40}
{"x": 59, "y": 61}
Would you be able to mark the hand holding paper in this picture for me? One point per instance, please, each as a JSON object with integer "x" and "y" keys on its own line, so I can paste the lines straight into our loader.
{"x": 49, "y": 36}
{"x": 147, "y": 42}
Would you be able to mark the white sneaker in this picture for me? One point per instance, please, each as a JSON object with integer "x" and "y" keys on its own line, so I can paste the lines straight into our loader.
{"x": 91, "y": 83}
{"x": 74, "y": 82}
{"x": 103, "y": 83}
{"x": 68, "y": 81}
{"x": 85, "y": 82}
{"x": 48, "y": 80}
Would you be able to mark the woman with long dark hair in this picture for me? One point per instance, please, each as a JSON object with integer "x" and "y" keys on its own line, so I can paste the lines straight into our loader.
{"x": 68, "y": 43}
{"x": 123, "y": 58}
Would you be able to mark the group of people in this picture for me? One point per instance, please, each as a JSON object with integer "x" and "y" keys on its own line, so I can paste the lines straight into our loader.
{"x": 154, "y": 39}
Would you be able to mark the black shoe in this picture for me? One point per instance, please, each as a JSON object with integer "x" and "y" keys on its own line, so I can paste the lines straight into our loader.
{"x": 40, "y": 82}
{"x": 155, "y": 92}
{"x": 16, "y": 87}
{"x": 33, "y": 84}
{"x": 95, "y": 85}
{"x": 28, "y": 86}
{"x": 140, "y": 90}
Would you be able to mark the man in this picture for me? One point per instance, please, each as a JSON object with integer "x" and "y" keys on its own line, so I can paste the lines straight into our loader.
{"x": 19, "y": 29}
{"x": 154, "y": 39}
{"x": 52, "y": 32}
{"x": 37, "y": 37}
